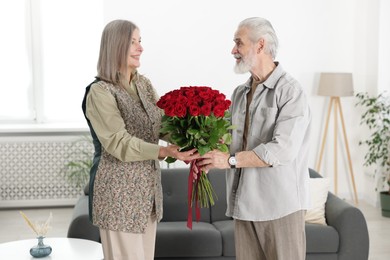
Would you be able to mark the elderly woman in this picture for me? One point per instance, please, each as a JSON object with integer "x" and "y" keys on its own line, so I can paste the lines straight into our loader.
{"x": 125, "y": 186}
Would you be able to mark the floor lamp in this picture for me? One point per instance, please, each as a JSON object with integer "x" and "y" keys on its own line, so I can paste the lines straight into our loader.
{"x": 336, "y": 85}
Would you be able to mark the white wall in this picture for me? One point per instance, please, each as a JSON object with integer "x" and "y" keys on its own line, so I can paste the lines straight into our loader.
{"x": 384, "y": 43}
{"x": 189, "y": 43}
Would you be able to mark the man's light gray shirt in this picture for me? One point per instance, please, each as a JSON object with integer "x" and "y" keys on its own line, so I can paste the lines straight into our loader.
{"x": 278, "y": 132}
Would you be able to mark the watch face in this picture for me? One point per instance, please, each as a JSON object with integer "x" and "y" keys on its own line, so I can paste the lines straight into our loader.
{"x": 232, "y": 160}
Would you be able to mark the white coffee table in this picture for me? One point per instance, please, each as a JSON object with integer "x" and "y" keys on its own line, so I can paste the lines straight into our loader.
{"x": 62, "y": 249}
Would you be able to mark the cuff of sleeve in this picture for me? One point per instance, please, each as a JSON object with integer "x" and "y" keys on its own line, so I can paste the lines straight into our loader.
{"x": 264, "y": 154}
{"x": 150, "y": 150}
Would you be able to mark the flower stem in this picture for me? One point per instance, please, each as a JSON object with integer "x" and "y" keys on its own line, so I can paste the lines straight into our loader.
{"x": 205, "y": 191}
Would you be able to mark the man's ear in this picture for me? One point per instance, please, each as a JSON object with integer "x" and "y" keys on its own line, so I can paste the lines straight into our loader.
{"x": 260, "y": 45}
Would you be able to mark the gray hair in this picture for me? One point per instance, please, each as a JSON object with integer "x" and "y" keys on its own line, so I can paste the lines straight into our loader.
{"x": 261, "y": 28}
{"x": 114, "y": 47}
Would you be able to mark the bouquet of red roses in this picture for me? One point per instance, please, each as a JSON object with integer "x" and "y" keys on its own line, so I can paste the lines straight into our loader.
{"x": 197, "y": 117}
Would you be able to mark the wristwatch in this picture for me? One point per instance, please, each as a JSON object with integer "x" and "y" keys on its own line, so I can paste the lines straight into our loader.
{"x": 232, "y": 161}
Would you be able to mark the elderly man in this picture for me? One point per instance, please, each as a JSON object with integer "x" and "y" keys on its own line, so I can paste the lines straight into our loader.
{"x": 267, "y": 180}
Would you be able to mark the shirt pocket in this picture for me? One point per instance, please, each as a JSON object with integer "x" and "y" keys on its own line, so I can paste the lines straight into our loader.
{"x": 262, "y": 125}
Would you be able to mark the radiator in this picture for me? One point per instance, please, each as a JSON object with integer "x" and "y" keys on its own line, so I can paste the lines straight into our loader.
{"x": 30, "y": 170}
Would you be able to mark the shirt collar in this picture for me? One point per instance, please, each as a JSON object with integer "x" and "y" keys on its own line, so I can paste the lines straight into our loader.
{"x": 271, "y": 81}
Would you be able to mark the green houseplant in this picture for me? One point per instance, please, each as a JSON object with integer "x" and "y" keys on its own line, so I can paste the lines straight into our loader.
{"x": 79, "y": 162}
{"x": 376, "y": 117}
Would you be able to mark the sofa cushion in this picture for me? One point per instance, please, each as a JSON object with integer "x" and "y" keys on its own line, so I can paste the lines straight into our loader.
{"x": 321, "y": 239}
{"x": 218, "y": 180}
{"x": 226, "y": 227}
{"x": 175, "y": 193}
{"x": 174, "y": 239}
{"x": 319, "y": 188}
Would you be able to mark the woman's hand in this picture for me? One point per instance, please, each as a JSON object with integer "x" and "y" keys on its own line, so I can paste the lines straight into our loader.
{"x": 174, "y": 151}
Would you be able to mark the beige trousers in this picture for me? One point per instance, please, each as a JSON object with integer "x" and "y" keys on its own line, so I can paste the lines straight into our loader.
{"x": 280, "y": 239}
{"x": 129, "y": 246}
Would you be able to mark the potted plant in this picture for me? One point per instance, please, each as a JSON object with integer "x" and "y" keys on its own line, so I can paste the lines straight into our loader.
{"x": 377, "y": 118}
{"x": 79, "y": 162}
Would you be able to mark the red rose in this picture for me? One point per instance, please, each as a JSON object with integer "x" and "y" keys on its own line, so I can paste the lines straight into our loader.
{"x": 220, "y": 97}
{"x": 180, "y": 110}
{"x": 227, "y": 103}
{"x": 169, "y": 110}
{"x": 181, "y": 99}
{"x": 214, "y": 93}
{"x": 194, "y": 109}
{"x": 174, "y": 94}
{"x": 224, "y": 103}
{"x": 206, "y": 95}
{"x": 195, "y": 100}
{"x": 206, "y": 109}
{"x": 163, "y": 102}
{"x": 219, "y": 110}
{"x": 188, "y": 92}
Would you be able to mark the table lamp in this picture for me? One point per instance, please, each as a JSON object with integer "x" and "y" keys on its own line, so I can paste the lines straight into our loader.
{"x": 336, "y": 85}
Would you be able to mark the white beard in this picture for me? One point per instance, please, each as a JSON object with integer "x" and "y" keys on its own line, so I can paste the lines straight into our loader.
{"x": 245, "y": 64}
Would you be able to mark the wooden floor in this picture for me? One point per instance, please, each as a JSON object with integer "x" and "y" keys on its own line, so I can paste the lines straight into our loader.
{"x": 13, "y": 226}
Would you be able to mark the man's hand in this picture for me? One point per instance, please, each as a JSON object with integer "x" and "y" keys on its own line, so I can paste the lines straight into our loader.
{"x": 219, "y": 160}
{"x": 214, "y": 159}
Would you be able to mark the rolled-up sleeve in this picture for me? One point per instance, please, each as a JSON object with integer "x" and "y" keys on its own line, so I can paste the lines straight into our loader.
{"x": 291, "y": 122}
{"x": 106, "y": 120}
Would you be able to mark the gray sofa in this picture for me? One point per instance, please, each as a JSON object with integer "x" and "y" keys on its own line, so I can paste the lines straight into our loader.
{"x": 345, "y": 237}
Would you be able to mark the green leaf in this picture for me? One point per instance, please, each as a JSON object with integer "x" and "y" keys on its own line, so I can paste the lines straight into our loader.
{"x": 223, "y": 148}
{"x": 203, "y": 149}
{"x": 227, "y": 138}
{"x": 170, "y": 159}
{"x": 202, "y": 141}
{"x": 192, "y": 131}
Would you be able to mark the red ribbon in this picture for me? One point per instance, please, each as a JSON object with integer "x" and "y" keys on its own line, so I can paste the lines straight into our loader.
{"x": 193, "y": 180}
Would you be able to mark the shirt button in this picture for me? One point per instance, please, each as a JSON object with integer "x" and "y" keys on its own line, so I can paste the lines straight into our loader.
{"x": 234, "y": 191}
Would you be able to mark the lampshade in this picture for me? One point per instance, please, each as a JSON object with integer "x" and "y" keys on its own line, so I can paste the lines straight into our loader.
{"x": 336, "y": 85}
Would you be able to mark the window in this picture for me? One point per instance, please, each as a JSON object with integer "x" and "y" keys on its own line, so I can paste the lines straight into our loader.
{"x": 15, "y": 63}
{"x": 48, "y": 58}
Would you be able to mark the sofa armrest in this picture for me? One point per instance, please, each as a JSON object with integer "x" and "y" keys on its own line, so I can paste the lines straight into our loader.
{"x": 351, "y": 226}
{"x": 80, "y": 225}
